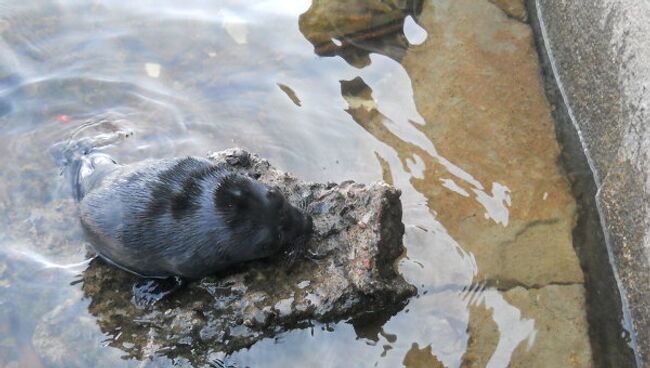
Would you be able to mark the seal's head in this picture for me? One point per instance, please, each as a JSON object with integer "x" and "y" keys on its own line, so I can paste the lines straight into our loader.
{"x": 260, "y": 217}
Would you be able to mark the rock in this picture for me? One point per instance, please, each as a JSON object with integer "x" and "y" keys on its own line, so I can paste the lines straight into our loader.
{"x": 560, "y": 337}
{"x": 487, "y": 114}
{"x": 608, "y": 101}
{"x": 421, "y": 358}
{"x": 624, "y": 204}
{"x": 514, "y": 8}
{"x": 518, "y": 219}
{"x": 352, "y": 29}
{"x": 358, "y": 237}
{"x": 483, "y": 337}
{"x": 531, "y": 254}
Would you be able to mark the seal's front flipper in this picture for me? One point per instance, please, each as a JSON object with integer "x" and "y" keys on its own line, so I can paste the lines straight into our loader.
{"x": 150, "y": 291}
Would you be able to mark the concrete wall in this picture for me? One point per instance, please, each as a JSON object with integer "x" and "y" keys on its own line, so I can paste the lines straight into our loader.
{"x": 599, "y": 52}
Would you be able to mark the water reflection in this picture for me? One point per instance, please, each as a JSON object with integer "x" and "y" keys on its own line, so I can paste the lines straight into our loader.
{"x": 354, "y": 30}
{"x": 455, "y": 118}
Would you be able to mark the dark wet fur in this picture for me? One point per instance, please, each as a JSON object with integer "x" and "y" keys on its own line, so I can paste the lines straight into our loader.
{"x": 184, "y": 217}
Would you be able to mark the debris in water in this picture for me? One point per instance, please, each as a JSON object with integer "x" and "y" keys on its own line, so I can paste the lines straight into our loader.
{"x": 62, "y": 118}
{"x": 152, "y": 69}
{"x": 290, "y": 92}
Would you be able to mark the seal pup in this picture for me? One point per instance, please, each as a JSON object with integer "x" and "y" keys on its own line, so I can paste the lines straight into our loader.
{"x": 182, "y": 217}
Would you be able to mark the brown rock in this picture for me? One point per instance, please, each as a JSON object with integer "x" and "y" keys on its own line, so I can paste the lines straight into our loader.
{"x": 514, "y": 8}
{"x": 421, "y": 358}
{"x": 483, "y": 337}
{"x": 476, "y": 84}
{"x": 559, "y": 338}
{"x": 350, "y": 29}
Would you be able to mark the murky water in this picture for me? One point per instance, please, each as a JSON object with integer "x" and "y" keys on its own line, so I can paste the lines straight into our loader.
{"x": 440, "y": 98}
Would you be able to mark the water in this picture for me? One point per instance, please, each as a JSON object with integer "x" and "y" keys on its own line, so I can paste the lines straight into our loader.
{"x": 443, "y": 99}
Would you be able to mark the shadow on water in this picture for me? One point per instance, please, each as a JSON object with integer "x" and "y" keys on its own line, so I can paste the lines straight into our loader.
{"x": 442, "y": 99}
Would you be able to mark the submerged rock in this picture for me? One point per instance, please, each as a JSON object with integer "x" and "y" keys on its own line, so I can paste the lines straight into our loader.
{"x": 560, "y": 337}
{"x": 513, "y": 210}
{"x": 354, "y": 29}
{"x": 513, "y": 8}
{"x": 349, "y": 271}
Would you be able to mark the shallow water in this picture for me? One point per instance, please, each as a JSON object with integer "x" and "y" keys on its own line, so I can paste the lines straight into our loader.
{"x": 441, "y": 98}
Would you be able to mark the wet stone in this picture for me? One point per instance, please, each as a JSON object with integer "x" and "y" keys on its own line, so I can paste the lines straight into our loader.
{"x": 529, "y": 254}
{"x": 487, "y": 113}
{"x": 560, "y": 337}
{"x": 351, "y": 29}
{"x": 353, "y": 272}
{"x": 421, "y": 358}
{"x": 513, "y": 8}
{"x": 625, "y": 206}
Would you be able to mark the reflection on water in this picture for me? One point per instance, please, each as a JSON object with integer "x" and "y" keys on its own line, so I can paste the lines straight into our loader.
{"x": 440, "y": 98}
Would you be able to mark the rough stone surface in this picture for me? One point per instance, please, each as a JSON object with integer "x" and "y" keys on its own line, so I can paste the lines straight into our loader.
{"x": 600, "y": 51}
{"x": 483, "y": 337}
{"x": 421, "y": 358}
{"x": 486, "y": 111}
{"x": 514, "y": 8}
{"x": 358, "y": 237}
{"x": 560, "y": 337}
{"x": 625, "y": 209}
{"x": 353, "y": 29}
